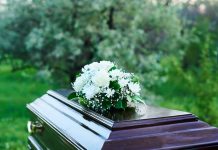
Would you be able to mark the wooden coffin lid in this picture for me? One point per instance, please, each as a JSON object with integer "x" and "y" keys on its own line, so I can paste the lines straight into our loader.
{"x": 158, "y": 128}
{"x": 129, "y": 119}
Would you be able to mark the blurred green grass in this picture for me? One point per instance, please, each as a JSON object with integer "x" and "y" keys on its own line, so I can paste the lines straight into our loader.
{"x": 177, "y": 93}
{"x": 16, "y": 90}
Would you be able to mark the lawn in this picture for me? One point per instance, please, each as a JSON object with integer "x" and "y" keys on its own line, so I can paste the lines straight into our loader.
{"x": 16, "y": 90}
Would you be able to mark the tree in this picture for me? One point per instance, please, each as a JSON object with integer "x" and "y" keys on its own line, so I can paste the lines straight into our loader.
{"x": 64, "y": 35}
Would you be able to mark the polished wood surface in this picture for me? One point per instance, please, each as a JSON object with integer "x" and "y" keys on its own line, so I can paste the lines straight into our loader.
{"x": 129, "y": 118}
{"x": 68, "y": 125}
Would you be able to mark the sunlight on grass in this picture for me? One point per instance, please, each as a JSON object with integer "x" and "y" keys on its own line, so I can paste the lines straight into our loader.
{"x": 16, "y": 90}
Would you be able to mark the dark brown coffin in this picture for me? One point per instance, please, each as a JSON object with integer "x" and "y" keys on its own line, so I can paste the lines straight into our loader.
{"x": 67, "y": 125}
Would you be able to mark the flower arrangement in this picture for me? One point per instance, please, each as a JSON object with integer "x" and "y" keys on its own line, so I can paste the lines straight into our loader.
{"x": 102, "y": 86}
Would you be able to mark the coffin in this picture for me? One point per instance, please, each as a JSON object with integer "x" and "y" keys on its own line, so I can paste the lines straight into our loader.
{"x": 59, "y": 124}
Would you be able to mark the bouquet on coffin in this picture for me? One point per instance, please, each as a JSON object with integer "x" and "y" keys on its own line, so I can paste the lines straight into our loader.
{"x": 102, "y": 86}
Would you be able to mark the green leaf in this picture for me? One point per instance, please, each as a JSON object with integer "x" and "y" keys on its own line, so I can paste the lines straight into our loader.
{"x": 72, "y": 96}
{"x": 112, "y": 68}
{"x": 121, "y": 104}
{"x": 137, "y": 98}
{"x": 106, "y": 104}
{"x": 114, "y": 85}
{"x": 135, "y": 79}
{"x": 78, "y": 75}
{"x": 124, "y": 103}
{"x": 82, "y": 101}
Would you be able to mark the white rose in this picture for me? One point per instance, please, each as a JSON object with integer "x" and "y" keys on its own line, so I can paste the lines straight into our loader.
{"x": 101, "y": 78}
{"x": 134, "y": 87}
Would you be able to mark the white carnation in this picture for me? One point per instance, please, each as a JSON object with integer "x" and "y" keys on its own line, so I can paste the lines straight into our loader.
{"x": 101, "y": 78}
{"x": 106, "y": 65}
{"x": 127, "y": 75}
{"x": 95, "y": 66}
{"x": 91, "y": 67}
{"x": 90, "y": 91}
{"x": 134, "y": 87}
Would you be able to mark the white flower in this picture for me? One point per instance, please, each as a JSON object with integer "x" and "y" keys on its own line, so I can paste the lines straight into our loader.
{"x": 80, "y": 82}
{"x": 90, "y": 91}
{"x": 134, "y": 87}
{"x": 127, "y": 75}
{"x": 101, "y": 78}
{"x": 95, "y": 66}
{"x": 123, "y": 82}
{"x": 93, "y": 85}
{"x": 116, "y": 74}
{"x": 110, "y": 92}
{"x": 106, "y": 65}
{"x": 91, "y": 67}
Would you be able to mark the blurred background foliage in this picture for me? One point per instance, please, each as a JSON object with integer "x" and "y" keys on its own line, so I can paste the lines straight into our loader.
{"x": 172, "y": 45}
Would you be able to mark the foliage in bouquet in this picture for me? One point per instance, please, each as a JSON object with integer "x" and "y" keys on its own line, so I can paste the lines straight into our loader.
{"x": 102, "y": 86}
